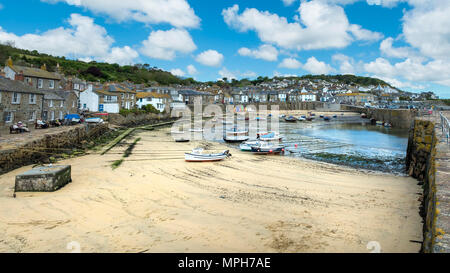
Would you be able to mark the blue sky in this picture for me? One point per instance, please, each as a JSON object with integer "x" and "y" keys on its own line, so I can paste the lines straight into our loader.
{"x": 405, "y": 42}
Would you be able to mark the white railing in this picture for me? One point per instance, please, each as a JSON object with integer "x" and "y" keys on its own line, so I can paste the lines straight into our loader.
{"x": 445, "y": 124}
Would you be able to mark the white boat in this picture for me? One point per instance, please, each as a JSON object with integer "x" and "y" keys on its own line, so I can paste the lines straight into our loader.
{"x": 301, "y": 119}
{"x": 196, "y": 130}
{"x": 247, "y": 145}
{"x": 235, "y": 139}
{"x": 264, "y": 148}
{"x": 197, "y": 155}
{"x": 269, "y": 136}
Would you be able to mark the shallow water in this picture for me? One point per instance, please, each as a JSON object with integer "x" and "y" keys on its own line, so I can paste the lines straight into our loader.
{"x": 358, "y": 145}
{"x": 352, "y": 142}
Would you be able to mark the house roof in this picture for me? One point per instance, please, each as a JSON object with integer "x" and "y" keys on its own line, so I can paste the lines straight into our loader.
{"x": 141, "y": 95}
{"x": 100, "y": 91}
{"x": 353, "y": 94}
{"x": 35, "y": 72}
{"x": 17, "y": 86}
{"x": 52, "y": 96}
{"x": 189, "y": 92}
{"x": 113, "y": 87}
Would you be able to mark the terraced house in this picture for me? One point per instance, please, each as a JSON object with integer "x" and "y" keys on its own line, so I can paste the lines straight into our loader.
{"x": 19, "y": 102}
{"x": 39, "y": 78}
{"x": 159, "y": 101}
{"x": 126, "y": 96}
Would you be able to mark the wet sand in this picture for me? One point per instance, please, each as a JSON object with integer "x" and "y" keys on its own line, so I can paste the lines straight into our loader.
{"x": 156, "y": 202}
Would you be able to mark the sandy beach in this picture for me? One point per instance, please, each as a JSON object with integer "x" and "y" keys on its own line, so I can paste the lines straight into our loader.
{"x": 156, "y": 202}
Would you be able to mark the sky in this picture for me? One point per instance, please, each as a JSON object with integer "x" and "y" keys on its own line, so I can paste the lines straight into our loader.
{"x": 404, "y": 42}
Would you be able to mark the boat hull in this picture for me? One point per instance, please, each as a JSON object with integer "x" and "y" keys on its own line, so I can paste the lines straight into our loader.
{"x": 266, "y": 151}
{"x": 190, "y": 157}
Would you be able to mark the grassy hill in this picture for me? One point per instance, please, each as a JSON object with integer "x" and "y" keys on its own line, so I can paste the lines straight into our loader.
{"x": 92, "y": 71}
{"x": 144, "y": 73}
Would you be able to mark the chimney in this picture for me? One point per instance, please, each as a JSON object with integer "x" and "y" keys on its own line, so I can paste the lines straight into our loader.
{"x": 19, "y": 76}
{"x": 9, "y": 62}
{"x": 44, "y": 67}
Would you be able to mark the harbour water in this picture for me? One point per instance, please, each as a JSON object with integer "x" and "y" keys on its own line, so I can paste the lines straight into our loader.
{"x": 352, "y": 142}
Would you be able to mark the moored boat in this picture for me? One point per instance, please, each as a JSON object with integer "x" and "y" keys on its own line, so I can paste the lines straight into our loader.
{"x": 247, "y": 145}
{"x": 197, "y": 155}
{"x": 265, "y": 148}
{"x": 290, "y": 119}
{"x": 269, "y": 136}
{"x": 326, "y": 118}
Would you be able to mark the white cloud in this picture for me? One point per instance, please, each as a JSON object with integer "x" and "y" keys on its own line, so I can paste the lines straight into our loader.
{"x": 191, "y": 70}
{"x": 425, "y": 27}
{"x": 314, "y": 66}
{"x": 288, "y": 2}
{"x": 165, "y": 45}
{"x": 364, "y": 34}
{"x": 210, "y": 58}
{"x": 413, "y": 70}
{"x": 385, "y": 3}
{"x": 249, "y": 74}
{"x": 346, "y": 64}
{"x": 177, "y": 72}
{"x": 321, "y": 25}
{"x": 225, "y": 73}
{"x": 74, "y": 42}
{"x": 290, "y": 63}
{"x": 264, "y": 52}
{"x": 388, "y": 50}
{"x": 175, "y": 12}
{"x": 121, "y": 55}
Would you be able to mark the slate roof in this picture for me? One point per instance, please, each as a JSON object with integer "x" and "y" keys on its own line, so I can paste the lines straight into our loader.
{"x": 17, "y": 86}
{"x": 52, "y": 96}
{"x": 36, "y": 72}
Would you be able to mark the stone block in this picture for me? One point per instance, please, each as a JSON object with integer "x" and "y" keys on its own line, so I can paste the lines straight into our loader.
{"x": 43, "y": 179}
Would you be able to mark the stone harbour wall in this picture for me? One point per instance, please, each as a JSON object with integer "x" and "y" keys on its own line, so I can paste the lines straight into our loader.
{"x": 39, "y": 149}
{"x": 399, "y": 118}
{"x": 428, "y": 161}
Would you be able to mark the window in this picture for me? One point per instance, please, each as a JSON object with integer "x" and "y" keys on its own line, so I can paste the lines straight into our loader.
{"x": 62, "y": 104}
{"x": 123, "y": 95}
{"x": 40, "y": 83}
{"x": 52, "y": 115}
{"x": 84, "y": 106}
{"x": 9, "y": 117}
{"x": 32, "y": 115}
{"x": 73, "y": 104}
{"x": 60, "y": 115}
{"x": 0, "y": 97}
{"x": 76, "y": 86}
{"x": 15, "y": 98}
{"x": 51, "y": 84}
{"x": 50, "y": 103}
{"x": 32, "y": 99}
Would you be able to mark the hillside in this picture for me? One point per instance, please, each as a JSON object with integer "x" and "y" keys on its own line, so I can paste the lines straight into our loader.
{"x": 145, "y": 74}
{"x": 92, "y": 71}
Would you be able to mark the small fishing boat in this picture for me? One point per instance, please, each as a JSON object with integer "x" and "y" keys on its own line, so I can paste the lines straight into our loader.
{"x": 326, "y": 118}
{"x": 282, "y": 116}
{"x": 197, "y": 155}
{"x": 379, "y": 123}
{"x": 322, "y": 116}
{"x": 247, "y": 145}
{"x": 196, "y": 130}
{"x": 334, "y": 116}
{"x": 269, "y": 136}
{"x": 387, "y": 125}
{"x": 301, "y": 119}
{"x": 309, "y": 119}
{"x": 265, "y": 148}
{"x": 290, "y": 119}
{"x": 363, "y": 115}
{"x": 235, "y": 136}
{"x": 260, "y": 118}
{"x": 182, "y": 140}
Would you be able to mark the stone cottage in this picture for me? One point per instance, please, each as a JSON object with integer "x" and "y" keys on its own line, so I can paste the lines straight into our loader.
{"x": 19, "y": 102}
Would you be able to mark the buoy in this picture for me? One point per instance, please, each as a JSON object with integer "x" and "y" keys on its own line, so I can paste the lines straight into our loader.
{"x": 270, "y": 151}
{"x": 296, "y": 145}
